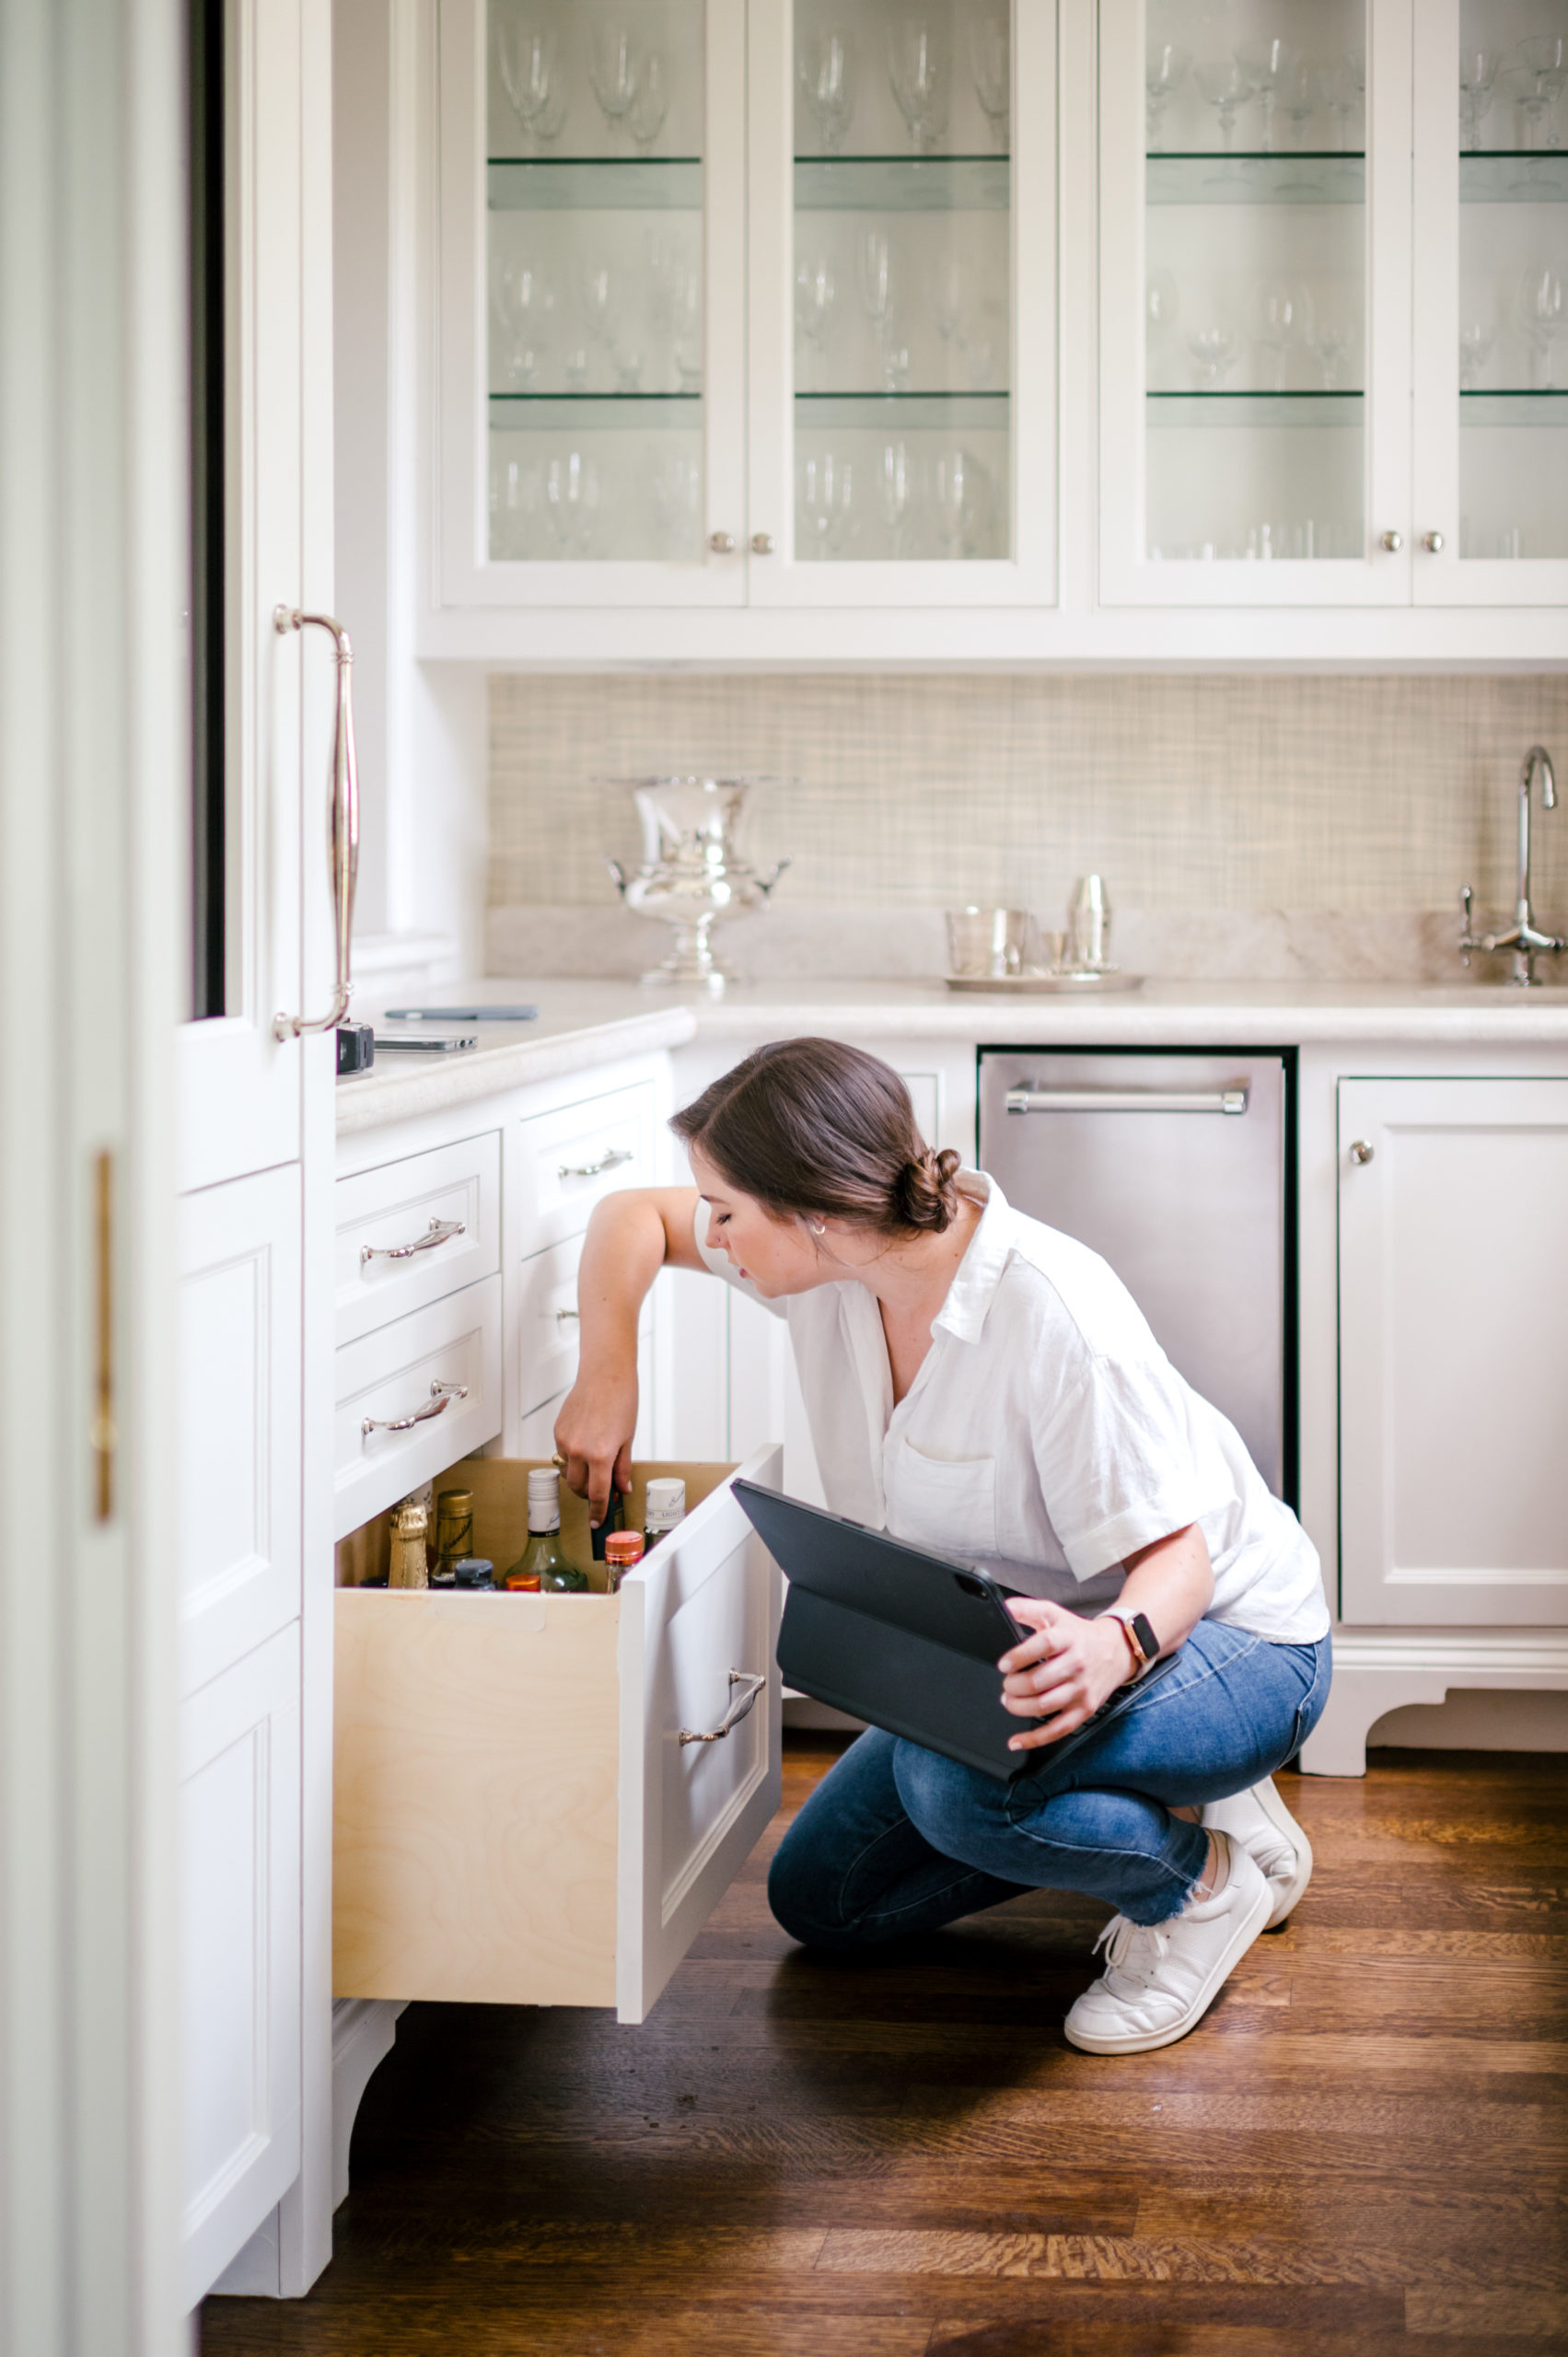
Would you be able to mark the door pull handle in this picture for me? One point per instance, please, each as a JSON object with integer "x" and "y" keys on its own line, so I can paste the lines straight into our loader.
{"x": 439, "y": 1232}
{"x": 753, "y": 1681}
{"x": 1127, "y": 1101}
{"x": 441, "y": 1398}
{"x": 343, "y": 822}
{"x": 610, "y": 1160}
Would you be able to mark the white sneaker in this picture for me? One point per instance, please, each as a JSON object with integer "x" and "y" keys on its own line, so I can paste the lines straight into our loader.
{"x": 1259, "y": 1821}
{"x": 1160, "y": 1978}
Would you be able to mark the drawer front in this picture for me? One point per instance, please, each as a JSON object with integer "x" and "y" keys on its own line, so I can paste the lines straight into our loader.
{"x": 573, "y": 1158}
{"x": 546, "y": 1324}
{"x": 415, "y": 1230}
{"x": 437, "y": 1377}
{"x": 517, "y": 1820}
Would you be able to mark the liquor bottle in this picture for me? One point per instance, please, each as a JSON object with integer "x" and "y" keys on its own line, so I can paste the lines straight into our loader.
{"x": 408, "y": 1567}
{"x": 665, "y": 1508}
{"x": 544, "y": 1560}
{"x": 454, "y": 1531}
{"x": 615, "y": 1519}
{"x": 621, "y": 1550}
{"x": 474, "y": 1571}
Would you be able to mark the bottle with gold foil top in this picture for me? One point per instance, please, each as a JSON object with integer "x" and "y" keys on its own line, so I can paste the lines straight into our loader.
{"x": 543, "y": 1562}
{"x": 454, "y": 1532}
{"x": 408, "y": 1566}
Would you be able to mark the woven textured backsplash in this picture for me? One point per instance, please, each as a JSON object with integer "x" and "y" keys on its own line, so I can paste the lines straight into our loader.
{"x": 923, "y": 790}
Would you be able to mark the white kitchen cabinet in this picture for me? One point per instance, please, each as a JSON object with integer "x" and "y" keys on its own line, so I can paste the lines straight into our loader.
{"x": 525, "y": 1811}
{"x": 1453, "y": 1356}
{"x": 410, "y": 1232}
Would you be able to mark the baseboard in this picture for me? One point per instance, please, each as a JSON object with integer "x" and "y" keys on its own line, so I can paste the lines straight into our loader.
{"x": 364, "y": 2032}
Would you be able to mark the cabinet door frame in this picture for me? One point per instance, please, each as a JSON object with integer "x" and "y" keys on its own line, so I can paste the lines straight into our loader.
{"x": 463, "y": 574}
{"x": 1127, "y": 577}
{"x": 1444, "y": 578}
{"x": 1028, "y": 577}
{"x": 1375, "y": 1588}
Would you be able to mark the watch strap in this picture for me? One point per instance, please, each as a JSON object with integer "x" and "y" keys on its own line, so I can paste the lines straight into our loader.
{"x": 1142, "y": 1641}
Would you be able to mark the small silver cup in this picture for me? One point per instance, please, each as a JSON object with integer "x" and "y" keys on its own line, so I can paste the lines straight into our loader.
{"x": 1088, "y": 926}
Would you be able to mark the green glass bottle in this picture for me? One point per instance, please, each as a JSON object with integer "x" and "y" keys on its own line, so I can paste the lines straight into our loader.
{"x": 544, "y": 1560}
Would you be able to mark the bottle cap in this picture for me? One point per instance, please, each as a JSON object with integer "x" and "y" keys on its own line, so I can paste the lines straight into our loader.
{"x": 623, "y": 1547}
{"x": 544, "y": 1499}
{"x": 457, "y": 1501}
{"x": 522, "y": 1583}
{"x": 666, "y": 1498}
{"x": 473, "y": 1570}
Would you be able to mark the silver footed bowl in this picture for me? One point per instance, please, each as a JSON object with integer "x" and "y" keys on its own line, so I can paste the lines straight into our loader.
{"x": 693, "y": 871}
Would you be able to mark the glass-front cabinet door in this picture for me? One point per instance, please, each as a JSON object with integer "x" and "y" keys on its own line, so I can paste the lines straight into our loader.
{"x": 1255, "y": 316}
{"x": 901, "y": 400}
{"x": 1492, "y": 303}
{"x": 592, "y": 341}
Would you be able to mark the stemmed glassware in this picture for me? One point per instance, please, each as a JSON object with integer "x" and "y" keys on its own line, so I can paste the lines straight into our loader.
{"x": 876, "y": 291}
{"x": 1475, "y": 349}
{"x": 1166, "y": 66}
{"x": 990, "y": 65}
{"x": 525, "y": 54}
{"x": 1543, "y": 315}
{"x": 824, "y": 68}
{"x": 1226, "y": 86}
{"x": 1303, "y": 89}
{"x": 1284, "y": 321}
{"x": 645, "y": 117}
{"x": 1265, "y": 64}
{"x": 1545, "y": 58}
{"x": 1522, "y": 89}
{"x": 918, "y": 73}
{"x": 826, "y": 495}
{"x": 676, "y": 487}
{"x": 614, "y": 68}
{"x": 895, "y": 485}
{"x": 1332, "y": 339}
{"x": 1478, "y": 74}
{"x": 1213, "y": 356}
{"x": 1344, "y": 84}
{"x": 814, "y": 292}
{"x": 524, "y": 301}
{"x": 571, "y": 496}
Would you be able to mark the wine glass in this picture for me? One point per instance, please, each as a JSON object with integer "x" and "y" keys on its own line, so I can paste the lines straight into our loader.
{"x": 1213, "y": 356}
{"x": 675, "y": 291}
{"x": 1162, "y": 309}
{"x": 991, "y": 64}
{"x": 525, "y": 54}
{"x": 824, "y": 501}
{"x": 524, "y": 300}
{"x": 1478, "y": 72}
{"x": 1332, "y": 339}
{"x": 1476, "y": 341}
{"x": 895, "y": 485}
{"x": 614, "y": 66}
{"x": 677, "y": 485}
{"x": 1284, "y": 321}
{"x": 958, "y": 487}
{"x": 814, "y": 296}
{"x": 1166, "y": 66}
{"x": 571, "y": 496}
{"x": 946, "y": 297}
{"x": 1521, "y": 89}
{"x": 1545, "y": 56}
{"x": 1265, "y": 64}
{"x": 1344, "y": 83}
{"x": 516, "y": 505}
{"x": 824, "y": 68}
{"x": 1303, "y": 90}
{"x": 917, "y": 71}
{"x": 1226, "y": 88}
{"x": 875, "y": 265}
{"x": 650, "y": 104}
{"x": 1543, "y": 315}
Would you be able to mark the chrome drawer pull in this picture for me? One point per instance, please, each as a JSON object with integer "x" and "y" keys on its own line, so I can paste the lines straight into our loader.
{"x": 753, "y": 1681}
{"x": 608, "y": 1160}
{"x": 441, "y": 1398}
{"x": 1126, "y": 1100}
{"x": 440, "y": 1231}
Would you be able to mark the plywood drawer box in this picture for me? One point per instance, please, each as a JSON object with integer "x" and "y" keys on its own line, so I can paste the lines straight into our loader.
{"x": 429, "y": 1386}
{"x": 517, "y": 1819}
{"x": 570, "y": 1159}
{"x": 413, "y": 1231}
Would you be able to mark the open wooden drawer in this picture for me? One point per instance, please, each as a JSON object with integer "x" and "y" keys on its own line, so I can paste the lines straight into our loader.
{"x": 517, "y": 1819}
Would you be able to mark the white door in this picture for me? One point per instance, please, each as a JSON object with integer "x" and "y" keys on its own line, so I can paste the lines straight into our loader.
{"x": 1255, "y": 337}
{"x": 590, "y": 326}
{"x": 902, "y": 379}
{"x": 1490, "y": 506}
{"x": 1453, "y": 1351}
{"x": 254, "y": 1146}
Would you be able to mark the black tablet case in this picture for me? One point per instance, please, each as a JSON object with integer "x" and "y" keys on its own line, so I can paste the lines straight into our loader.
{"x": 905, "y": 1639}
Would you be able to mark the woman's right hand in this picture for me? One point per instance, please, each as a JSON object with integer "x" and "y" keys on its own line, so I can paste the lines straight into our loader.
{"x": 593, "y": 1433}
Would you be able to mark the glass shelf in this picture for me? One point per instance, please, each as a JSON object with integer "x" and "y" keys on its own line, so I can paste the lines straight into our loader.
{"x": 1513, "y": 177}
{"x": 596, "y": 184}
{"x": 1510, "y": 407}
{"x": 1217, "y": 178}
{"x": 942, "y": 412}
{"x": 902, "y": 184}
{"x": 578, "y": 412}
{"x": 1229, "y": 411}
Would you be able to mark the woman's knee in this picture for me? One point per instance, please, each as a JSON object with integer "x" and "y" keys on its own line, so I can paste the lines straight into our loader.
{"x": 947, "y": 1802}
{"x": 798, "y": 1889}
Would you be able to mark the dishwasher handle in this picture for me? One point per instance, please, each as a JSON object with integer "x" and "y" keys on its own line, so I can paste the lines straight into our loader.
{"x": 1126, "y": 1100}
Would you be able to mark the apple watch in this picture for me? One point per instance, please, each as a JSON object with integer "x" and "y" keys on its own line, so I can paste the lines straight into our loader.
{"x": 1143, "y": 1644}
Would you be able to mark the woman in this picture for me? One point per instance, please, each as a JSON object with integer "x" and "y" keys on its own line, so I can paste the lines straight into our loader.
{"x": 978, "y": 1384}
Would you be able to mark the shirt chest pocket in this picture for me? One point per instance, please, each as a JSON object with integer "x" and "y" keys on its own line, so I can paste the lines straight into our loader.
{"x": 947, "y": 1503}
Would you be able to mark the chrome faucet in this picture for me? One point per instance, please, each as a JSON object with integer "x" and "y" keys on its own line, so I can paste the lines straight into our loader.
{"x": 1523, "y": 938}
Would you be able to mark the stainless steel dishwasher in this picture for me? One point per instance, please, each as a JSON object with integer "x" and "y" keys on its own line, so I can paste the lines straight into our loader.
{"x": 1172, "y": 1166}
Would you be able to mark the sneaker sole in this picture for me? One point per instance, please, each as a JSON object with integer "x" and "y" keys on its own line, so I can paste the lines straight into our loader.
{"x": 1146, "y": 2041}
{"x": 1284, "y": 1896}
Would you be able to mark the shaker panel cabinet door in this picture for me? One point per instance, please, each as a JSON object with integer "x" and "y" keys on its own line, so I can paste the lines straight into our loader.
{"x": 1453, "y": 1351}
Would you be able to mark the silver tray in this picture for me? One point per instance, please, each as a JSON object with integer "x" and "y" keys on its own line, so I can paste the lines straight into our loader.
{"x": 1043, "y": 985}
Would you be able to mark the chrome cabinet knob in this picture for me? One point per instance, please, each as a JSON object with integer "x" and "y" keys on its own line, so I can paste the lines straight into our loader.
{"x": 1432, "y": 544}
{"x": 1392, "y": 542}
{"x": 1360, "y": 1152}
{"x": 722, "y": 543}
{"x": 762, "y": 544}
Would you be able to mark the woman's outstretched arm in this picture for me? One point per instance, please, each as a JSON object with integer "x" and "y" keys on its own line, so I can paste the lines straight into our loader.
{"x": 632, "y": 1236}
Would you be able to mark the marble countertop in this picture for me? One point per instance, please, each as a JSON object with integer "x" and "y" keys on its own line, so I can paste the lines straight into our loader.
{"x": 583, "y": 1024}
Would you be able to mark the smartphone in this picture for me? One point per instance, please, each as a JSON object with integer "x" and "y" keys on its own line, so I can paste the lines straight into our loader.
{"x": 389, "y": 1042}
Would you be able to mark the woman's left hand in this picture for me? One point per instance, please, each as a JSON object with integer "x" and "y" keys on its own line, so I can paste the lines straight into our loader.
{"x": 1064, "y": 1672}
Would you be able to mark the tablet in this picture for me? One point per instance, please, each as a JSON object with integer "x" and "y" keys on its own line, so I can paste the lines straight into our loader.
{"x": 906, "y": 1640}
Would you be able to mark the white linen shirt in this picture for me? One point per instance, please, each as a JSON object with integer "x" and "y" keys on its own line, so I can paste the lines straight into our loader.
{"x": 1046, "y": 1435}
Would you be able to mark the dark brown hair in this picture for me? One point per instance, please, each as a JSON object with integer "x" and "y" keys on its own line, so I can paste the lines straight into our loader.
{"x": 814, "y": 1127}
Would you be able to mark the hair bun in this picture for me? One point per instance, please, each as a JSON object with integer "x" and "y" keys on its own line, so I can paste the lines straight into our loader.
{"x": 927, "y": 1193}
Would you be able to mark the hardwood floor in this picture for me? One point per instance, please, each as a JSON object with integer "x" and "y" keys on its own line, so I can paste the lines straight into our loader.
{"x": 1363, "y": 2147}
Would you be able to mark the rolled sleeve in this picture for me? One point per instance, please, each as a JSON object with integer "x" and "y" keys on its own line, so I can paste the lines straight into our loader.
{"x": 1120, "y": 1467}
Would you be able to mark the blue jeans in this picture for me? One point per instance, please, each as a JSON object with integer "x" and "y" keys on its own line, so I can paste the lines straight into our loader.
{"x": 897, "y": 1839}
